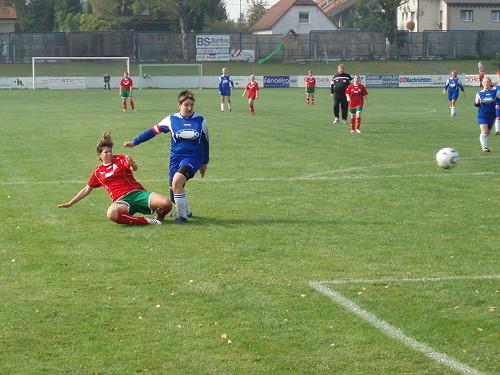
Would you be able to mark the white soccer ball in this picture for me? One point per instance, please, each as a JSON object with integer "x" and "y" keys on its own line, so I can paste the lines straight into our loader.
{"x": 447, "y": 158}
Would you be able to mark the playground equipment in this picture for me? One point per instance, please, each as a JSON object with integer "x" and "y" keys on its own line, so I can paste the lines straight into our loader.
{"x": 289, "y": 46}
{"x": 278, "y": 49}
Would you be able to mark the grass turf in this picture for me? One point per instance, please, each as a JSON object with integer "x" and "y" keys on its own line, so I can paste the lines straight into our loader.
{"x": 287, "y": 198}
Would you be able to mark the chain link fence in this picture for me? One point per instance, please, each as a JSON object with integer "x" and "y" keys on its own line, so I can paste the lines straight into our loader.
{"x": 316, "y": 46}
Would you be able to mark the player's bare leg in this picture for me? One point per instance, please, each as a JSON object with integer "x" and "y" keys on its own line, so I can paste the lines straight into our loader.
{"x": 161, "y": 204}
{"x": 118, "y": 212}
{"x": 124, "y": 105}
{"x": 222, "y": 103}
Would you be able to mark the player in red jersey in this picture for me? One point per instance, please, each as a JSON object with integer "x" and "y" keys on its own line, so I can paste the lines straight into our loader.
{"x": 356, "y": 93}
{"x": 128, "y": 195}
{"x": 252, "y": 90}
{"x": 126, "y": 86}
{"x": 310, "y": 88}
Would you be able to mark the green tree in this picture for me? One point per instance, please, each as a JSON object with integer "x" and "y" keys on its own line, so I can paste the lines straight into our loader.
{"x": 256, "y": 10}
{"x": 384, "y": 11}
{"x": 67, "y": 15}
{"x": 39, "y": 16}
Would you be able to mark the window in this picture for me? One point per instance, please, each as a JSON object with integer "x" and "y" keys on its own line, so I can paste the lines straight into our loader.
{"x": 412, "y": 14}
{"x": 495, "y": 16}
{"x": 466, "y": 15}
{"x": 303, "y": 17}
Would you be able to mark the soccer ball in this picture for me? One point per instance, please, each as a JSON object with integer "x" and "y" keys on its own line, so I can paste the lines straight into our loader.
{"x": 447, "y": 158}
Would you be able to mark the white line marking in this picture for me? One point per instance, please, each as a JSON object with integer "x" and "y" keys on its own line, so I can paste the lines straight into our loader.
{"x": 395, "y": 332}
{"x": 273, "y": 179}
{"x": 410, "y": 280}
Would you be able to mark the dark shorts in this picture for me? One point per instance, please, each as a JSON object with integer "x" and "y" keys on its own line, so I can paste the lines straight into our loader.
{"x": 177, "y": 162}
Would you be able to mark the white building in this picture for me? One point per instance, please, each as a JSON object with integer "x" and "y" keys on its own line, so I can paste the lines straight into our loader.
{"x": 303, "y": 16}
{"x": 420, "y": 15}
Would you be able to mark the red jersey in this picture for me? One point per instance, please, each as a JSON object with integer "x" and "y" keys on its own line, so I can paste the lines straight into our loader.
{"x": 126, "y": 83}
{"x": 356, "y": 93}
{"x": 116, "y": 177}
{"x": 310, "y": 82}
{"x": 252, "y": 88}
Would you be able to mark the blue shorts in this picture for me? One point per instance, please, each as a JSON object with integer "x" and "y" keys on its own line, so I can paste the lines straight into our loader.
{"x": 177, "y": 162}
{"x": 225, "y": 92}
{"x": 486, "y": 119}
{"x": 452, "y": 95}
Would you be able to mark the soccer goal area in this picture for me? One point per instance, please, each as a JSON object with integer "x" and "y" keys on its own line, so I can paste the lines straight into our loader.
{"x": 170, "y": 75}
{"x": 77, "y": 72}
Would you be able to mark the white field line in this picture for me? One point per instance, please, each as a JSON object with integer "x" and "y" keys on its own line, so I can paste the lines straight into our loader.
{"x": 271, "y": 179}
{"x": 389, "y": 329}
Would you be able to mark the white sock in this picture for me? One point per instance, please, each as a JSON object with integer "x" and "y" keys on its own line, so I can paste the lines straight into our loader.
{"x": 497, "y": 124}
{"x": 222, "y": 107}
{"x": 453, "y": 111}
{"x": 181, "y": 204}
{"x": 229, "y": 105}
{"x": 483, "y": 138}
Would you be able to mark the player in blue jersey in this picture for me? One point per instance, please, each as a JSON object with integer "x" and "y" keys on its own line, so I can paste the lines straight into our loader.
{"x": 189, "y": 150}
{"x": 486, "y": 113}
{"x": 497, "y": 121}
{"x": 225, "y": 85}
{"x": 453, "y": 85}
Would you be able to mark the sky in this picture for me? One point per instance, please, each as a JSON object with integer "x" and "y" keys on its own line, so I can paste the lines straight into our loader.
{"x": 233, "y": 7}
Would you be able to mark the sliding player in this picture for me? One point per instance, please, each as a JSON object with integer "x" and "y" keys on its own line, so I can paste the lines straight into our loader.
{"x": 129, "y": 196}
{"x": 453, "y": 85}
{"x": 126, "y": 86}
{"x": 252, "y": 90}
{"x": 225, "y": 85}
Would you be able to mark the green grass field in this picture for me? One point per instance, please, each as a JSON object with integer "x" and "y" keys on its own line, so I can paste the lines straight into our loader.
{"x": 288, "y": 199}
{"x": 238, "y": 68}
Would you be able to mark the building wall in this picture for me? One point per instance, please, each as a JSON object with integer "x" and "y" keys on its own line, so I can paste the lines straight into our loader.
{"x": 481, "y": 18}
{"x": 7, "y": 26}
{"x": 425, "y": 14}
{"x": 317, "y": 21}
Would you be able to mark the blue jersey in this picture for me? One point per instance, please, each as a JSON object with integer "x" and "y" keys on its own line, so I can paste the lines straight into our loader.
{"x": 225, "y": 85}
{"x": 498, "y": 100}
{"x": 487, "y": 100}
{"x": 454, "y": 84}
{"x": 189, "y": 136}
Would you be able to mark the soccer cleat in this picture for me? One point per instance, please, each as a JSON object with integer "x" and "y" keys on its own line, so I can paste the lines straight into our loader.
{"x": 180, "y": 220}
{"x": 336, "y": 120}
{"x": 358, "y": 131}
{"x": 352, "y": 131}
{"x": 153, "y": 221}
{"x": 124, "y": 110}
{"x": 486, "y": 149}
{"x": 344, "y": 122}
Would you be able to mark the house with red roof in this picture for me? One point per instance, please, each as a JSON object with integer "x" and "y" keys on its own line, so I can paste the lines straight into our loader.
{"x": 8, "y": 18}
{"x": 301, "y": 16}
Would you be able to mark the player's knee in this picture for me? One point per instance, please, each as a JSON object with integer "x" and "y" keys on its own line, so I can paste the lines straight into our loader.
{"x": 112, "y": 213}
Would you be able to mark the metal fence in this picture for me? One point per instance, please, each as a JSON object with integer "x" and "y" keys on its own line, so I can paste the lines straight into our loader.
{"x": 316, "y": 46}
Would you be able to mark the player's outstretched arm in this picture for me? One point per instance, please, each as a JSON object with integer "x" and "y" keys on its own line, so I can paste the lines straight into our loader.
{"x": 78, "y": 197}
{"x": 128, "y": 144}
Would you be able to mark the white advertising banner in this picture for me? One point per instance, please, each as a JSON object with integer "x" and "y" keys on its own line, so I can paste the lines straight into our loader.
{"x": 415, "y": 81}
{"x": 5, "y": 83}
{"x": 247, "y": 55}
{"x": 213, "y": 47}
{"x": 67, "y": 83}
